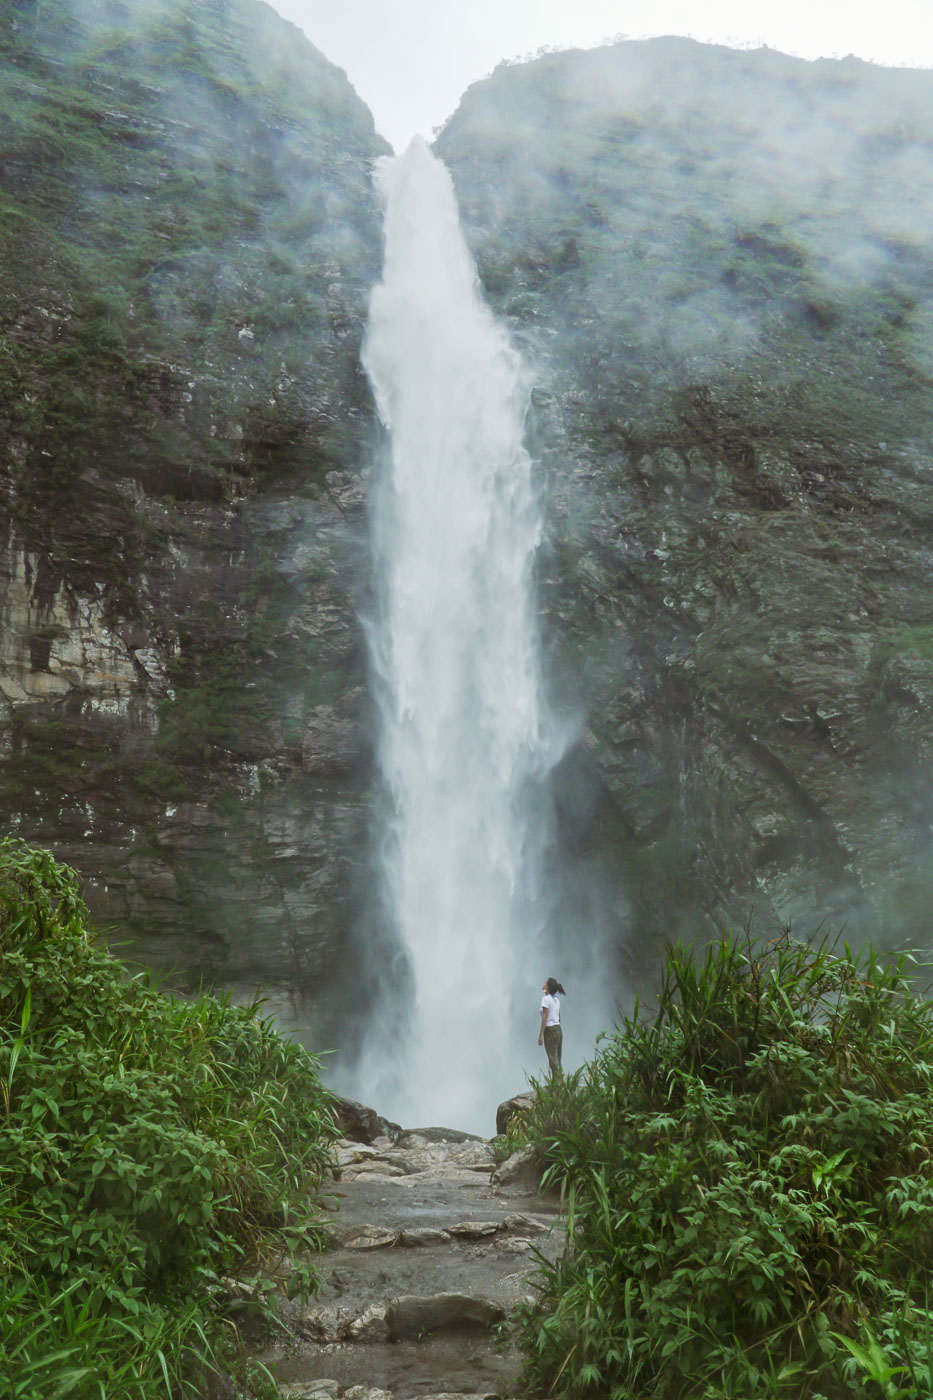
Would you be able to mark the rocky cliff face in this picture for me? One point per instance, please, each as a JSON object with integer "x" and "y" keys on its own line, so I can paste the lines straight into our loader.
{"x": 718, "y": 264}
{"x": 189, "y": 235}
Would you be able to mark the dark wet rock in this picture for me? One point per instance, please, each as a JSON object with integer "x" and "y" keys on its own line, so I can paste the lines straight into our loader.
{"x": 412, "y": 1316}
{"x": 418, "y": 1137}
{"x": 732, "y": 421}
{"x": 362, "y": 1124}
{"x": 518, "y": 1103}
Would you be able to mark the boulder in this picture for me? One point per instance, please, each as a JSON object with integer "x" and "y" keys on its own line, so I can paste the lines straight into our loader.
{"x": 526, "y": 1224}
{"x": 374, "y": 1168}
{"x": 411, "y": 1316}
{"x": 418, "y": 1137}
{"x": 370, "y": 1326}
{"x": 478, "y": 1156}
{"x": 422, "y": 1235}
{"x": 369, "y": 1237}
{"x": 347, "y": 1154}
{"x": 362, "y": 1124}
{"x": 513, "y": 1244}
{"x": 474, "y": 1229}
{"x": 523, "y": 1169}
{"x": 518, "y": 1103}
{"x": 320, "y": 1324}
{"x": 310, "y": 1390}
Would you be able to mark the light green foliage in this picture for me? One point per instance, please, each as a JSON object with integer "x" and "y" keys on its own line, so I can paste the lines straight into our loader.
{"x": 153, "y": 1150}
{"x": 902, "y": 639}
{"x": 749, "y": 1183}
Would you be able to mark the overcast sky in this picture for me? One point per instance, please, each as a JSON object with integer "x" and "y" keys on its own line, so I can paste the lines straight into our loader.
{"x": 411, "y": 59}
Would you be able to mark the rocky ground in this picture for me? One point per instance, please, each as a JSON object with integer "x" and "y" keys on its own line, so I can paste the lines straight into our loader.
{"x": 433, "y": 1245}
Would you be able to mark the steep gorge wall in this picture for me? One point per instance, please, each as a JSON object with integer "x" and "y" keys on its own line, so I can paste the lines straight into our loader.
{"x": 189, "y": 235}
{"x": 719, "y": 265}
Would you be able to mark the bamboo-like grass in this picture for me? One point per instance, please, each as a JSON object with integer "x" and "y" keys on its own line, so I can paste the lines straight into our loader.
{"x": 748, "y": 1176}
{"x": 160, "y": 1161}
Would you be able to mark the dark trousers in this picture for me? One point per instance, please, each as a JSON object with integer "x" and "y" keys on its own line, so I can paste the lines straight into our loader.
{"x": 553, "y": 1040}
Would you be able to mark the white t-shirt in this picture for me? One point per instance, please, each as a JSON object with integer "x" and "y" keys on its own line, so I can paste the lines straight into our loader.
{"x": 552, "y": 1006}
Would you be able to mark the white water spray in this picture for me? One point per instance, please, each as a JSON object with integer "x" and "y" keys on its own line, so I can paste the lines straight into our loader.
{"x": 456, "y": 526}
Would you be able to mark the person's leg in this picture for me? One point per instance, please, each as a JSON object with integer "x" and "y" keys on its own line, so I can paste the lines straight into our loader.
{"x": 553, "y": 1036}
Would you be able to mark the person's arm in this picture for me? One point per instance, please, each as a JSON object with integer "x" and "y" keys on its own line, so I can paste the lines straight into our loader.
{"x": 543, "y": 1024}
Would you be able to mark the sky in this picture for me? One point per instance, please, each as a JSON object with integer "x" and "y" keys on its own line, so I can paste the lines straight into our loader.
{"x": 410, "y": 60}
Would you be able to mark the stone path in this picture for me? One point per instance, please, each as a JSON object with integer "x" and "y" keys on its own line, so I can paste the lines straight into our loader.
{"x": 431, "y": 1249}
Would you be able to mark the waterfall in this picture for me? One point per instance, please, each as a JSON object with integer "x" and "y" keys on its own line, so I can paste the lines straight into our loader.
{"x": 464, "y": 733}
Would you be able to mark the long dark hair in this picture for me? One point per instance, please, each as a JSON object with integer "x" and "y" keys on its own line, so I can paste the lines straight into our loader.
{"x": 553, "y": 986}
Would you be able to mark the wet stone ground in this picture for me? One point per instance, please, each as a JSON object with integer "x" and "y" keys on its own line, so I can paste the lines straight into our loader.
{"x": 432, "y": 1248}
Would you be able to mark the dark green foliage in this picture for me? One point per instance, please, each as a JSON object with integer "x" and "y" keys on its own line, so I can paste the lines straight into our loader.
{"x": 657, "y": 201}
{"x": 173, "y": 174}
{"x": 749, "y": 1181}
{"x": 189, "y": 233}
{"x": 153, "y": 1151}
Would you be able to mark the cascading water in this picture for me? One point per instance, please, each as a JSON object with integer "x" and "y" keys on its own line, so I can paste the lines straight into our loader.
{"x": 464, "y": 736}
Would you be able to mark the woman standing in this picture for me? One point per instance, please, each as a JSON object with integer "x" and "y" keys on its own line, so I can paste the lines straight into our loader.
{"x": 551, "y": 1036}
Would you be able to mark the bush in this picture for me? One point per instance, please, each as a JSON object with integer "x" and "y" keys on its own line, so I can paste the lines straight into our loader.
{"x": 155, "y": 1152}
{"x": 558, "y": 1104}
{"x": 749, "y": 1181}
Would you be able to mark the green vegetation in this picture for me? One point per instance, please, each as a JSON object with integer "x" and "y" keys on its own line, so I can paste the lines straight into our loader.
{"x": 225, "y": 697}
{"x": 189, "y": 232}
{"x": 749, "y": 1182}
{"x": 166, "y": 174}
{"x": 160, "y": 1158}
{"x": 656, "y": 230}
{"x": 902, "y": 639}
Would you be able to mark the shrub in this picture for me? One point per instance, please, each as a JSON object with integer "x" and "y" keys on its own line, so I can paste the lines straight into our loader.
{"x": 750, "y": 1190}
{"x": 557, "y": 1105}
{"x": 153, "y": 1150}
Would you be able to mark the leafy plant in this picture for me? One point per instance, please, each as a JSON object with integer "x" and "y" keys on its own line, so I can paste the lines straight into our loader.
{"x": 157, "y": 1154}
{"x": 749, "y": 1184}
{"x": 557, "y": 1104}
